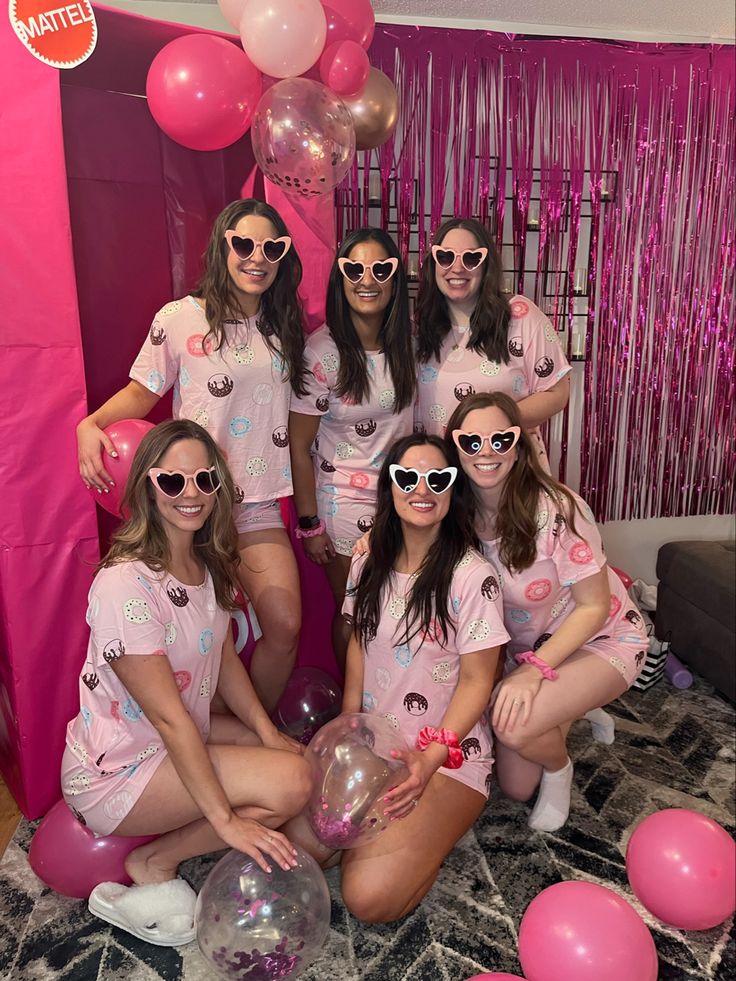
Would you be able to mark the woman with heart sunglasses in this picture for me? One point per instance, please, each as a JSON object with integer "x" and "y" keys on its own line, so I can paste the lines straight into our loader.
{"x": 472, "y": 338}
{"x": 427, "y": 631}
{"x": 233, "y": 349}
{"x": 577, "y": 640}
{"x": 148, "y": 754}
{"x": 361, "y": 385}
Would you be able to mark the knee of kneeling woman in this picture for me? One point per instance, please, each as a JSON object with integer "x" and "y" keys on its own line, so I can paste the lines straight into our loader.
{"x": 373, "y": 905}
{"x": 517, "y": 739}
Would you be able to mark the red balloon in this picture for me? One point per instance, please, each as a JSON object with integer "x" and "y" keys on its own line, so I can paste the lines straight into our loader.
{"x": 349, "y": 20}
{"x": 623, "y": 576}
{"x": 682, "y": 866}
{"x": 344, "y": 67}
{"x": 579, "y": 931}
{"x": 126, "y": 436}
{"x": 68, "y": 857}
{"x": 202, "y": 91}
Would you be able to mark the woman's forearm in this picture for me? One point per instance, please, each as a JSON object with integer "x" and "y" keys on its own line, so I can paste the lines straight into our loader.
{"x": 538, "y": 408}
{"x": 579, "y": 627}
{"x": 132, "y": 402}
{"x": 238, "y": 693}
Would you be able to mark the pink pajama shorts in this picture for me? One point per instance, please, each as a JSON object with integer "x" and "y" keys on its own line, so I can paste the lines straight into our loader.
{"x": 102, "y": 801}
{"x": 260, "y": 516}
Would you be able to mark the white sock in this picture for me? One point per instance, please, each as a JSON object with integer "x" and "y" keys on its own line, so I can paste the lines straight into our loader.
{"x": 602, "y": 725}
{"x": 553, "y": 800}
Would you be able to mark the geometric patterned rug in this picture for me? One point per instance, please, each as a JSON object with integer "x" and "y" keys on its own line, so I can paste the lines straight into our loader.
{"x": 673, "y": 749}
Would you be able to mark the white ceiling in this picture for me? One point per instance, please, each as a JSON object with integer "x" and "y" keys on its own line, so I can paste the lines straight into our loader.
{"x": 653, "y": 20}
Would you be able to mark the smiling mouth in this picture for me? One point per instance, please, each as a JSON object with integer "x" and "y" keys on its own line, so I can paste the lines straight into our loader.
{"x": 422, "y": 506}
{"x": 368, "y": 294}
{"x": 457, "y": 282}
{"x": 253, "y": 273}
{"x": 189, "y": 510}
{"x": 487, "y": 467}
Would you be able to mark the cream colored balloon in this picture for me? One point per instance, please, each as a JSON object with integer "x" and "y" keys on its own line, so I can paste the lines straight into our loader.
{"x": 375, "y": 111}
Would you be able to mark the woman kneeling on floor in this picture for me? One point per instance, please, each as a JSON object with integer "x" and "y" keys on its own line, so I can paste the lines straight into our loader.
{"x": 427, "y": 632}
{"x": 146, "y": 755}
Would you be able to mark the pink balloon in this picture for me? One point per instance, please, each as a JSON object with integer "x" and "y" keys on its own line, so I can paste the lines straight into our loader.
{"x": 126, "y": 436}
{"x": 623, "y": 576}
{"x": 344, "y": 67}
{"x": 68, "y": 857}
{"x": 202, "y": 91}
{"x": 494, "y": 976}
{"x": 311, "y": 698}
{"x": 303, "y": 137}
{"x": 232, "y": 11}
{"x": 349, "y": 20}
{"x": 283, "y": 37}
{"x": 579, "y": 931}
{"x": 682, "y": 866}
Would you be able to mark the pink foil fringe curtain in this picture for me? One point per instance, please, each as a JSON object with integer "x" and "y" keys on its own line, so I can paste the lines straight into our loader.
{"x": 627, "y": 150}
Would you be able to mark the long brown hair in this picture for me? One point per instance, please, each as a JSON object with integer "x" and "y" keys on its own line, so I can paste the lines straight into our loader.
{"x": 395, "y": 334}
{"x": 428, "y": 600}
{"x": 489, "y": 322}
{"x": 280, "y": 314}
{"x": 518, "y": 507}
{"x": 143, "y": 536}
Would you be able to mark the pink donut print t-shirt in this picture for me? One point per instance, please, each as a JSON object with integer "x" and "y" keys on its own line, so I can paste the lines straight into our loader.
{"x": 539, "y": 599}
{"x": 412, "y": 684}
{"x": 536, "y": 364}
{"x": 352, "y": 439}
{"x": 239, "y": 394}
{"x": 133, "y": 611}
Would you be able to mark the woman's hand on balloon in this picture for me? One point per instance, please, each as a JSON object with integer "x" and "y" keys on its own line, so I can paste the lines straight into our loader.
{"x": 402, "y": 799}
{"x": 363, "y": 544}
{"x": 256, "y": 840}
{"x": 513, "y": 698}
{"x": 91, "y": 440}
{"x": 319, "y": 549}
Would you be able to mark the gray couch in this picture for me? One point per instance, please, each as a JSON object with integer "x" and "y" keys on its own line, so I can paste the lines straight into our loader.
{"x": 696, "y": 608}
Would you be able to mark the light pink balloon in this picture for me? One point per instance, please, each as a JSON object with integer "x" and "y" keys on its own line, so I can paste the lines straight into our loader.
{"x": 283, "y": 37}
{"x": 232, "y": 11}
{"x": 202, "y": 91}
{"x": 68, "y": 857}
{"x": 303, "y": 137}
{"x": 344, "y": 67}
{"x": 579, "y": 931}
{"x": 349, "y": 20}
{"x": 682, "y": 866}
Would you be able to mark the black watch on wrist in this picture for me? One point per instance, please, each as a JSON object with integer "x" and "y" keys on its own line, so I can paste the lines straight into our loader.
{"x": 307, "y": 524}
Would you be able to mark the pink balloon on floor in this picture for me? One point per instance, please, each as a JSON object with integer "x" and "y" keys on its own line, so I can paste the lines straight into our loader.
{"x": 126, "y": 436}
{"x": 68, "y": 857}
{"x": 494, "y": 976}
{"x": 623, "y": 576}
{"x": 579, "y": 931}
{"x": 311, "y": 699}
{"x": 202, "y": 91}
{"x": 682, "y": 867}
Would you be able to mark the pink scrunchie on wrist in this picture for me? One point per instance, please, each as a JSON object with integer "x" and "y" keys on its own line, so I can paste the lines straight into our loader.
{"x": 529, "y": 657}
{"x": 445, "y": 737}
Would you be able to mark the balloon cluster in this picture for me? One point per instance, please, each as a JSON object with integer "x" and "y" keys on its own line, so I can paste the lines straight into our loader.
{"x": 302, "y": 81}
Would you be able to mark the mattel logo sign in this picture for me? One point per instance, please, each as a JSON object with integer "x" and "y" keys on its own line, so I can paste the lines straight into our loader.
{"x": 60, "y": 36}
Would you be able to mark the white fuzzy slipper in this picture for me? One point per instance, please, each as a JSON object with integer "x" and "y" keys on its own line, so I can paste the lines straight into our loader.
{"x": 161, "y": 913}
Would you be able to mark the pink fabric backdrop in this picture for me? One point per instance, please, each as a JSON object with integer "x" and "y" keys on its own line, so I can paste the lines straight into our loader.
{"x": 138, "y": 209}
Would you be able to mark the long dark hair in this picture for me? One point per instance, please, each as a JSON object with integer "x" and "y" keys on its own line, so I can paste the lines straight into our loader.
{"x": 394, "y": 336}
{"x": 143, "y": 536}
{"x": 489, "y": 322}
{"x": 280, "y": 314}
{"x": 518, "y": 507}
{"x": 428, "y": 598}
